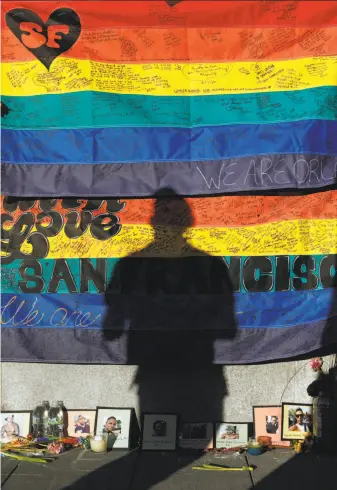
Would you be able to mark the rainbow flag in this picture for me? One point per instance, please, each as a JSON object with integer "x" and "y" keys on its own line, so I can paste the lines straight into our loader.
{"x": 168, "y": 180}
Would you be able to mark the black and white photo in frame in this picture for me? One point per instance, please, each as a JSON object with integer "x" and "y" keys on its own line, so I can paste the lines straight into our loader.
{"x": 159, "y": 432}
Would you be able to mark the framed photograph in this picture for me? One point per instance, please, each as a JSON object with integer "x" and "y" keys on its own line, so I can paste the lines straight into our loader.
{"x": 159, "y": 432}
{"x": 116, "y": 422}
{"x": 231, "y": 434}
{"x": 81, "y": 422}
{"x": 196, "y": 435}
{"x": 268, "y": 422}
{"x": 296, "y": 420}
{"x": 15, "y": 423}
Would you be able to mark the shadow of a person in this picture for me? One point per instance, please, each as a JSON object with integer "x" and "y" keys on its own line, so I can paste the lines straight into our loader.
{"x": 170, "y": 294}
{"x": 170, "y": 302}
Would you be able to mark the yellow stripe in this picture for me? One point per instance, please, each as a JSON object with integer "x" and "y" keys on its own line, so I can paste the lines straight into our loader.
{"x": 286, "y": 237}
{"x": 71, "y": 75}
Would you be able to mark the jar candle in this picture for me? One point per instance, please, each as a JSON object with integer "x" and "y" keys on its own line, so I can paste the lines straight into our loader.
{"x": 99, "y": 443}
{"x": 254, "y": 447}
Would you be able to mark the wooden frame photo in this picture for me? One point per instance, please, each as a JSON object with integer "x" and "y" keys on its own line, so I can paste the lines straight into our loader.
{"x": 159, "y": 432}
{"x": 231, "y": 434}
{"x": 196, "y": 435}
{"x": 81, "y": 423}
{"x": 116, "y": 422}
{"x": 296, "y": 420}
{"x": 15, "y": 423}
{"x": 268, "y": 422}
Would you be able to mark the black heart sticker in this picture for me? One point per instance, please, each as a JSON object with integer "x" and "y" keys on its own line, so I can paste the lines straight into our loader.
{"x": 172, "y": 3}
{"x": 46, "y": 40}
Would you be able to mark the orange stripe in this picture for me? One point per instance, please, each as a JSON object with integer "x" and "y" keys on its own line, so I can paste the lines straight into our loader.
{"x": 218, "y": 211}
{"x": 191, "y": 13}
{"x": 201, "y": 44}
{"x": 238, "y": 210}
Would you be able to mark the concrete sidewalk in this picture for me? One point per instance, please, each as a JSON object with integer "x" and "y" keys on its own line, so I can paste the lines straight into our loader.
{"x": 135, "y": 470}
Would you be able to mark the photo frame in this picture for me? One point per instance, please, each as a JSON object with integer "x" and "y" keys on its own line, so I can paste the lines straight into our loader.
{"x": 268, "y": 422}
{"x": 81, "y": 423}
{"x": 196, "y": 435}
{"x": 117, "y": 423}
{"x": 15, "y": 423}
{"x": 296, "y": 420}
{"x": 231, "y": 434}
{"x": 159, "y": 432}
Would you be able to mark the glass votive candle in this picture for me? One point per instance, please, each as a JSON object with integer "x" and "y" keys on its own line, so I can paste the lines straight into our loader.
{"x": 254, "y": 447}
{"x": 99, "y": 443}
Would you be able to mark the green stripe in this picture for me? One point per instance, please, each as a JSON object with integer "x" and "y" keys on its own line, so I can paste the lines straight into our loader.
{"x": 14, "y": 274}
{"x": 95, "y": 109}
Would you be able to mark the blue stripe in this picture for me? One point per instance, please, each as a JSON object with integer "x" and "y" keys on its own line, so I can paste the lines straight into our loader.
{"x": 121, "y": 145}
{"x": 252, "y": 310}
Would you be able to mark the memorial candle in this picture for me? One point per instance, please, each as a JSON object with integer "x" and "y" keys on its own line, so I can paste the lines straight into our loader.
{"x": 254, "y": 447}
{"x": 99, "y": 443}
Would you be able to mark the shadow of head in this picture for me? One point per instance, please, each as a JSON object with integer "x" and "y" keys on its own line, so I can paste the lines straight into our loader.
{"x": 171, "y": 210}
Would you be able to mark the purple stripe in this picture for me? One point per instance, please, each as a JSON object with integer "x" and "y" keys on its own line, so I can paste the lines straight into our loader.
{"x": 283, "y": 171}
{"x": 249, "y": 345}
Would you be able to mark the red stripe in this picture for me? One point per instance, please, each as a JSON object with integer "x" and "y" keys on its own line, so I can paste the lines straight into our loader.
{"x": 192, "y": 13}
{"x": 122, "y": 45}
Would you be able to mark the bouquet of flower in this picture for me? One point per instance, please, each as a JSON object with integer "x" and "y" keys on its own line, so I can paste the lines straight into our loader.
{"x": 316, "y": 364}
{"x": 327, "y": 379}
{"x": 38, "y": 450}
